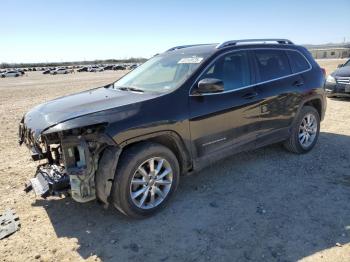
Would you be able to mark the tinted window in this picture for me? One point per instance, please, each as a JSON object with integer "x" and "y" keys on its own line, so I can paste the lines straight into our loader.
{"x": 272, "y": 64}
{"x": 233, "y": 69}
{"x": 297, "y": 62}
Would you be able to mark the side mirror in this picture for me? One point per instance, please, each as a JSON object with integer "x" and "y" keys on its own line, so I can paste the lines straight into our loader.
{"x": 340, "y": 65}
{"x": 209, "y": 85}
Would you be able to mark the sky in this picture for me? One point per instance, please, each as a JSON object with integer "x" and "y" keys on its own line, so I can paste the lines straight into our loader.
{"x": 77, "y": 30}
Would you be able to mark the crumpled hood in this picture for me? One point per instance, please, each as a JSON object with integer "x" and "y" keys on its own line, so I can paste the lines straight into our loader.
{"x": 74, "y": 106}
{"x": 342, "y": 71}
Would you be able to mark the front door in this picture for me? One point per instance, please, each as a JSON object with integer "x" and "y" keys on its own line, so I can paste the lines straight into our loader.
{"x": 228, "y": 119}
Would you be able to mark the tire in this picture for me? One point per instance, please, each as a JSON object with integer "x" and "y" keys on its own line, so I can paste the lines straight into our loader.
{"x": 294, "y": 143}
{"x": 128, "y": 170}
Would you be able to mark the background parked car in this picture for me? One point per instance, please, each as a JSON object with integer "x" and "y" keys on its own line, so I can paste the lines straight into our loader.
{"x": 95, "y": 69}
{"x": 338, "y": 83}
{"x": 60, "y": 71}
{"x": 13, "y": 73}
{"x": 21, "y": 71}
{"x": 108, "y": 67}
{"x": 119, "y": 67}
{"x": 83, "y": 69}
{"x": 133, "y": 66}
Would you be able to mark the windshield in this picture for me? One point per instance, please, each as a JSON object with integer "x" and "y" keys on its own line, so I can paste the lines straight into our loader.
{"x": 162, "y": 73}
{"x": 347, "y": 63}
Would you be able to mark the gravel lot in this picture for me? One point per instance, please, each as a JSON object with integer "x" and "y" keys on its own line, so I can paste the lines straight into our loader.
{"x": 265, "y": 205}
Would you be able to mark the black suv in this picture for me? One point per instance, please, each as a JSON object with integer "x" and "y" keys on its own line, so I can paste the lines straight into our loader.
{"x": 338, "y": 83}
{"x": 127, "y": 143}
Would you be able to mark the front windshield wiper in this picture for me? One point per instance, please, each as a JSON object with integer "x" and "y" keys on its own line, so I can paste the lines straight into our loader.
{"x": 129, "y": 88}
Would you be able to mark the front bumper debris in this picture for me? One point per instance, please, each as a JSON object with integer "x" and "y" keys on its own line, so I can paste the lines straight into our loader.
{"x": 72, "y": 158}
{"x": 49, "y": 180}
{"x": 75, "y": 176}
{"x": 9, "y": 223}
{"x": 26, "y": 136}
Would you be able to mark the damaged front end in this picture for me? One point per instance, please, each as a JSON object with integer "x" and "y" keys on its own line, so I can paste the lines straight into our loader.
{"x": 71, "y": 160}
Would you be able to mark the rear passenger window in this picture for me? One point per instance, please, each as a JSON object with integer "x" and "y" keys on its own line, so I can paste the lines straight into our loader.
{"x": 297, "y": 62}
{"x": 233, "y": 69}
{"x": 272, "y": 64}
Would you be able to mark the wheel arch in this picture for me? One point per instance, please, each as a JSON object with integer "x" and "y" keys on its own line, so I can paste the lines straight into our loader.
{"x": 109, "y": 159}
{"x": 317, "y": 102}
{"x": 169, "y": 139}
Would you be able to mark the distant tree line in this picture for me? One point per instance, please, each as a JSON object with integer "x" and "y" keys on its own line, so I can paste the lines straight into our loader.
{"x": 54, "y": 64}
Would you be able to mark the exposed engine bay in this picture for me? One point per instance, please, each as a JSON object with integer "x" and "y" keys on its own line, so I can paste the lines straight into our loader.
{"x": 71, "y": 161}
{"x": 74, "y": 140}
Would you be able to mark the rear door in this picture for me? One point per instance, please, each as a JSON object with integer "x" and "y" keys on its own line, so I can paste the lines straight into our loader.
{"x": 279, "y": 92}
{"x": 225, "y": 120}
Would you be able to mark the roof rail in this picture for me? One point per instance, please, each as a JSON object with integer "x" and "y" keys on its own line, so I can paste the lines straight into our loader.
{"x": 235, "y": 42}
{"x": 183, "y": 46}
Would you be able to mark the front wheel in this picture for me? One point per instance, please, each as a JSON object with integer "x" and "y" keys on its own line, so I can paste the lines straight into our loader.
{"x": 305, "y": 132}
{"x": 146, "y": 177}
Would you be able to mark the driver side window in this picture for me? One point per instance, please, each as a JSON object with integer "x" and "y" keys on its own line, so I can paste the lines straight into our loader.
{"x": 233, "y": 69}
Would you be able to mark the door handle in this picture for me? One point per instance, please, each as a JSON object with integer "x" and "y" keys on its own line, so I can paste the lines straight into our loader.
{"x": 299, "y": 82}
{"x": 250, "y": 95}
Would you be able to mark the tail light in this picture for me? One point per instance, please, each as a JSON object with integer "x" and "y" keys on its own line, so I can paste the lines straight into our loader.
{"x": 323, "y": 71}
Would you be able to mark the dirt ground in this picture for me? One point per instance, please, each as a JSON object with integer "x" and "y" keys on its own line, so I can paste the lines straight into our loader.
{"x": 265, "y": 205}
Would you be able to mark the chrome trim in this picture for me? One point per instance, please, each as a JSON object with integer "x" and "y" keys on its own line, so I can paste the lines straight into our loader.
{"x": 255, "y": 84}
{"x": 343, "y": 79}
{"x": 235, "y": 42}
{"x": 214, "y": 141}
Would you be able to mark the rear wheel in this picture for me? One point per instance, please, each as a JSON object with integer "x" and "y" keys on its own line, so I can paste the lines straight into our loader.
{"x": 146, "y": 177}
{"x": 305, "y": 131}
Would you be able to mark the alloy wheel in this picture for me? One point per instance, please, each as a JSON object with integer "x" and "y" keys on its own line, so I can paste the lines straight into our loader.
{"x": 151, "y": 183}
{"x": 307, "y": 130}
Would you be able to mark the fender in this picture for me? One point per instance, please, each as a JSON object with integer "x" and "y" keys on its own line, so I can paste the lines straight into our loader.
{"x": 310, "y": 98}
{"x": 110, "y": 157}
{"x": 181, "y": 150}
{"x": 105, "y": 173}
